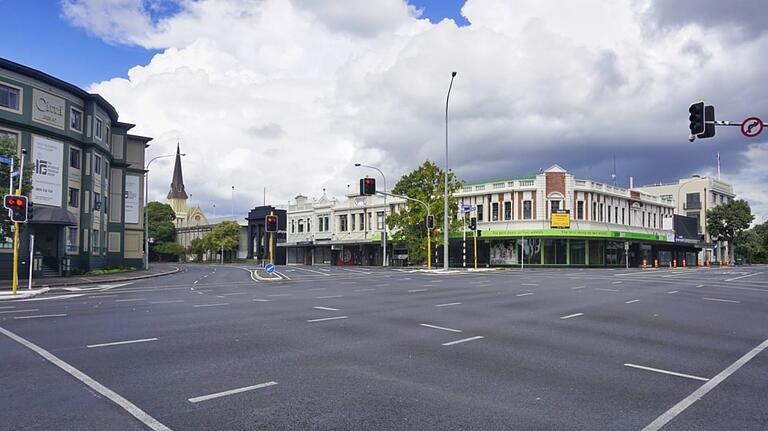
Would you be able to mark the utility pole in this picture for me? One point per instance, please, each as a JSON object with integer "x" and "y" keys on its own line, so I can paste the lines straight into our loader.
{"x": 16, "y": 227}
{"x": 445, "y": 182}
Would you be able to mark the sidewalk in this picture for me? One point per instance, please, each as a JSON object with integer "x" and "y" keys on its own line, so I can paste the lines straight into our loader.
{"x": 155, "y": 270}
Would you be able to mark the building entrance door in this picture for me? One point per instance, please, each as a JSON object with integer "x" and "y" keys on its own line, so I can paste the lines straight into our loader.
{"x": 47, "y": 245}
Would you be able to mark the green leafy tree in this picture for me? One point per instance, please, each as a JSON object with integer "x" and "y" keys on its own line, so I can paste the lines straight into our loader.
{"x": 160, "y": 217}
{"x": 425, "y": 183}
{"x": 225, "y": 235}
{"x": 749, "y": 247}
{"x": 8, "y": 149}
{"x": 728, "y": 221}
{"x": 198, "y": 247}
{"x": 168, "y": 251}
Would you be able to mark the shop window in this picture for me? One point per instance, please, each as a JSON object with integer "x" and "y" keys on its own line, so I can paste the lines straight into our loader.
{"x": 495, "y": 211}
{"x": 596, "y": 252}
{"x": 531, "y": 251}
{"x": 580, "y": 210}
{"x": 507, "y": 210}
{"x": 480, "y": 212}
{"x": 578, "y": 252}
{"x": 555, "y": 252}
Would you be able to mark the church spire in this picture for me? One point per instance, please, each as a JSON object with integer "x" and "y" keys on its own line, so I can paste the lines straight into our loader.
{"x": 177, "y": 184}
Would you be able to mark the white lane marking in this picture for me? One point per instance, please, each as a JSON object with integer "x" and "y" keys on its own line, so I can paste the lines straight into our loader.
{"x": 195, "y": 282}
{"x": 117, "y": 343}
{"x": 435, "y": 281}
{"x": 357, "y": 271}
{"x": 170, "y": 301}
{"x": 235, "y": 293}
{"x": 448, "y": 304}
{"x": 40, "y": 316}
{"x": 327, "y": 318}
{"x": 671, "y": 292}
{"x": 364, "y": 290}
{"x": 230, "y": 392}
{"x": 439, "y": 327}
{"x": 330, "y": 296}
{"x": 699, "y": 285}
{"x": 529, "y": 284}
{"x": 743, "y": 276}
{"x": 571, "y": 315}
{"x": 315, "y": 288}
{"x": 631, "y": 301}
{"x": 261, "y": 300}
{"x": 5, "y": 308}
{"x": 722, "y": 300}
{"x": 524, "y": 294}
{"x": 139, "y": 414}
{"x": 130, "y": 300}
{"x": 281, "y": 294}
{"x": 100, "y": 296}
{"x": 578, "y": 287}
{"x": 607, "y": 290}
{"x": 616, "y": 282}
{"x": 704, "y": 389}
{"x": 417, "y": 290}
{"x": 316, "y": 272}
{"x": 211, "y": 305}
{"x": 463, "y": 340}
{"x": 326, "y": 308}
{"x": 20, "y": 311}
{"x": 382, "y": 285}
{"x": 671, "y": 373}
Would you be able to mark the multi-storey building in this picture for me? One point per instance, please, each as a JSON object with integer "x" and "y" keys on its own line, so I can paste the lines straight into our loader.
{"x": 693, "y": 197}
{"x": 609, "y": 226}
{"x": 87, "y": 178}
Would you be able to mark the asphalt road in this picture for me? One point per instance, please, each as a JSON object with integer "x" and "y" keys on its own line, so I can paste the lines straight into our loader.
{"x": 209, "y": 348}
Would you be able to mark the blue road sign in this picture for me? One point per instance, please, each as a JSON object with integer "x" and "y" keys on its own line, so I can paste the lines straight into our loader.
{"x": 6, "y": 160}
{"x": 270, "y": 268}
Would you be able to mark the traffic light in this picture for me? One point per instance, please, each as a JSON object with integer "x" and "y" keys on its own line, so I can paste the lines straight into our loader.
{"x": 367, "y": 186}
{"x": 30, "y": 210}
{"x": 17, "y": 206}
{"x": 271, "y": 223}
{"x": 430, "y": 221}
{"x": 473, "y": 223}
{"x": 709, "y": 122}
{"x": 697, "y": 121}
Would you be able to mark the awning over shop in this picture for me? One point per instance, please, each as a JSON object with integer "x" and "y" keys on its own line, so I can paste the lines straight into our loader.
{"x": 53, "y": 215}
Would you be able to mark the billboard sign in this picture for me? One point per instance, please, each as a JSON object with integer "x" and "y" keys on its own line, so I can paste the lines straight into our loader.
{"x": 560, "y": 219}
{"x": 132, "y": 202}
{"x": 47, "y": 156}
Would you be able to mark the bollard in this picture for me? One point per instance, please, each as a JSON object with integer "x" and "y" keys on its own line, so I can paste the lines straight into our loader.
{"x": 684, "y": 264}
{"x": 655, "y": 263}
{"x": 674, "y": 263}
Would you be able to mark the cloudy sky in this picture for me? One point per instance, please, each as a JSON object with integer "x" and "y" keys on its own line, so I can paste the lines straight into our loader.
{"x": 289, "y": 94}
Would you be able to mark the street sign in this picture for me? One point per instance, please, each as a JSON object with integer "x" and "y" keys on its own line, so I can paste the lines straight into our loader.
{"x": 270, "y": 268}
{"x": 466, "y": 209}
{"x": 752, "y": 127}
{"x": 6, "y": 160}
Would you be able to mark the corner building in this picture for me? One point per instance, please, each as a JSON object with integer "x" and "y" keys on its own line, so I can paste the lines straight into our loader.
{"x": 88, "y": 175}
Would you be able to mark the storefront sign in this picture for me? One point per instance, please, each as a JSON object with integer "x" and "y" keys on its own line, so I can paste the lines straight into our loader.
{"x": 567, "y": 233}
{"x": 560, "y": 219}
{"x": 48, "y": 109}
{"x": 132, "y": 198}
{"x": 47, "y": 156}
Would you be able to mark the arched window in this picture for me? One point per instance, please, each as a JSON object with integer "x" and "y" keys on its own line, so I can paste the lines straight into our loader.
{"x": 293, "y": 226}
{"x": 301, "y": 225}
{"x": 309, "y": 225}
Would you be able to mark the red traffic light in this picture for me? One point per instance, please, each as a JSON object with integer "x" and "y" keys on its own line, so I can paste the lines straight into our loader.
{"x": 15, "y": 201}
{"x": 271, "y": 223}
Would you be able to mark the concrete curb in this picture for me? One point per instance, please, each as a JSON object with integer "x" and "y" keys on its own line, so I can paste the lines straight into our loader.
{"x": 114, "y": 280}
{"x": 22, "y": 294}
{"x": 255, "y": 273}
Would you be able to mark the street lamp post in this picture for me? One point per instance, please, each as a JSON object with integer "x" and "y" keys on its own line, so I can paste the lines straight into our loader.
{"x": 445, "y": 190}
{"x": 146, "y": 202}
{"x": 384, "y": 261}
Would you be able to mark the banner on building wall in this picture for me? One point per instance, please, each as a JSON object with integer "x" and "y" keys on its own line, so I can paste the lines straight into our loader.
{"x": 560, "y": 219}
{"x": 132, "y": 198}
{"x": 504, "y": 252}
{"x": 47, "y": 157}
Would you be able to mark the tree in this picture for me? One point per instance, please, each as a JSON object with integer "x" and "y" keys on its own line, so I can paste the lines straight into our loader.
{"x": 169, "y": 251}
{"x": 728, "y": 221}
{"x": 749, "y": 247}
{"x": 198, "y": 247}
{"x": 425, "y": 183}
{"x": 8, "y": 149}
{"x": 224, "y": 236}
{"x": 160, "y": 217}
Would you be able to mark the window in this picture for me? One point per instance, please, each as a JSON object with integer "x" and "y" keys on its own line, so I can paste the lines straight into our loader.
{"x": 600, "y": 214}
{"x": 96, "y": 164}
{"x": 74, "y": 197}
{"x": 580, "y": 210}
{"x": 10, "y": 97}
{"x": 622, "y": 215}
{"x": 293, "y": 226}
{"x": 527, "y": 213}
{"x": 72, "y": 238}
{"x": 616, "y": 215}
{"x": 74, "y": 158}
{"x": 13, "y": 136}
{"x": 99, "y": 125}
{"x": 96, "y": 237}
{"x": 108, "y": 135}
{"x": 609, "y": 213}
{"x": 75, "y": 119}
{"x": 96, "y": 201}
{"x": 327, "y": 227}
{"x": 495, "y": 211}
{"x": 507, "y": 210}
{"x": 643, "y": 218}
{"x": 301, "y": 225}
{"x": 479, "y": 213}
{"x": 554, "y": 206}
{"x": 353, "y": 221}
{"x": 309, "y": 229}
{"x": 343, "y": 223}
{"x": 362, "y": 221}
{"x": 380, "y": 220}
{"x": 654, "y": 220}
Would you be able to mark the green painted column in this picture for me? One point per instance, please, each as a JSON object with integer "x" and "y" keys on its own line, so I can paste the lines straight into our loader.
{"x": 567, "y": 251}
{"x": 586, "y": 251}
{"x": 541, "y": 255}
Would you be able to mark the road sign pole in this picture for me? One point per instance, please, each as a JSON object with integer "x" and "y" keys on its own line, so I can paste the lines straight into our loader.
{"x": 464, "y": 239}
{"x": 429, "y": 247}
{"x": 271, "y": 242}
{"x": 31, "y": 256}
{"x": 475, "y": 253}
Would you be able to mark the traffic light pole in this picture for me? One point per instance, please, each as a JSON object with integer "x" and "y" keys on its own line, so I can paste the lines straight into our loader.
{"x": 475, "y": 253}
{"x": 16, "y": 229}
{"x": 271, "y": 245}
{"x": 426, "y": 223}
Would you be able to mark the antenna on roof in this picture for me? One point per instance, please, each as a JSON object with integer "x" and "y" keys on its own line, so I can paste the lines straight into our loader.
{"x": 613, "y": 175}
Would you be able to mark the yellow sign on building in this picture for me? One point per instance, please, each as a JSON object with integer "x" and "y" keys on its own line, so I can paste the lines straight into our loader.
{"x": 560, "y": 220}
